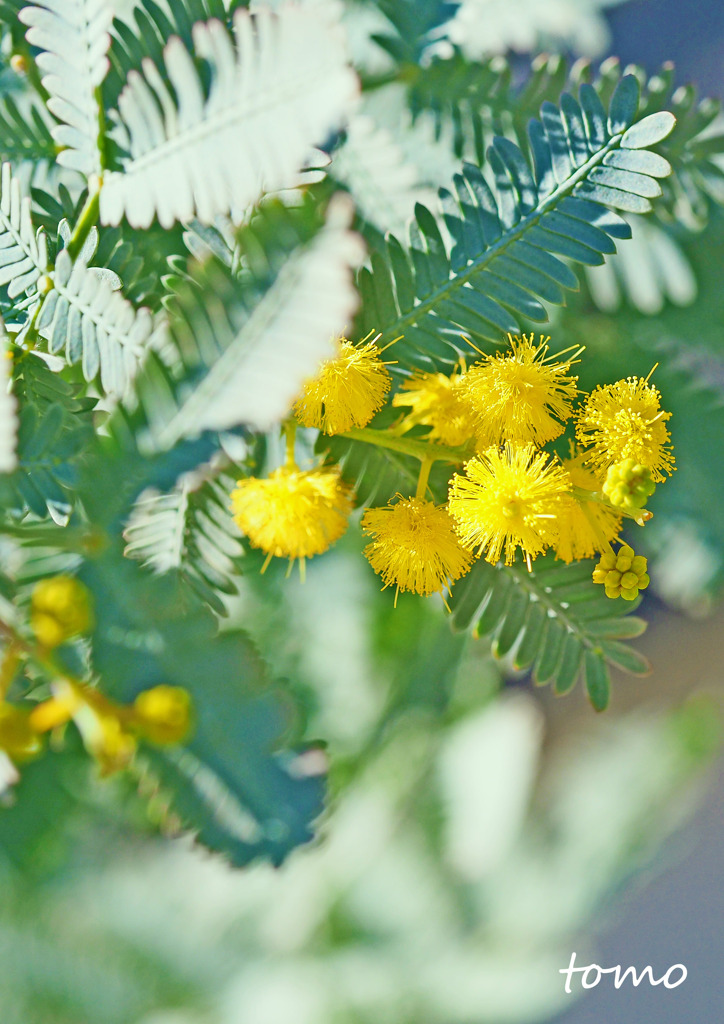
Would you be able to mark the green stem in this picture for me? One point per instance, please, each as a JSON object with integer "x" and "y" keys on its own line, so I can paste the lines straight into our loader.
{"x": 290, "y": 433}
{"x": 421, "y": 450}
{"x": 79, "y": 539}
{"x": 101, "y": 138}
{"x": 32, "y": 337}
{"x": 425, "y": 468}
{"x": 87, "y": 220}
{"x": 40, "y": 657}
{"x": 371, "y": 82}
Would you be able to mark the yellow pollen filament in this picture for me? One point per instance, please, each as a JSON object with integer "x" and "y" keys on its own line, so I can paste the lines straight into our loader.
{"x": 624, "y": 421}
{"x": 347, "y": 390}
{"x": 509, "y": 498}
{"x": 293, "y": 513}
{"x": 524, "y": 394}
{"x": 414, "y": 546}
{"x": 585, "y": 527}
{"x": 440, "y": 403}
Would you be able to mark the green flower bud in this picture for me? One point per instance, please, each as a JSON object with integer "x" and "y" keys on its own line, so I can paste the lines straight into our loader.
{"x": 628, "y": 485}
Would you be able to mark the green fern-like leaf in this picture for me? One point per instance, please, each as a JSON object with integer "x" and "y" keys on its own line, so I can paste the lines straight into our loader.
{"x": 473, "y": 101}
{"x": 277, "y": 89}
{"x": 414, "y": 27}
{"x": 375, "y": 474}
{"x": 554, "y": 621}
{"x": 25, "y": 131}
{"x": 512, "y": 245}
{"x": 144, "y": 34}
{"x": 695, "y": 152}
{"x": 650, "y": 271}
{"x": 73, "y": 37}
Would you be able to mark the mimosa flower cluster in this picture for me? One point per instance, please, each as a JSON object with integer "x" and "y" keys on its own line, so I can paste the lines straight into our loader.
{"x": 511, "y": 496}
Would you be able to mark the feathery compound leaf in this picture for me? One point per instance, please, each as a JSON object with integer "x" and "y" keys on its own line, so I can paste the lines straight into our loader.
{"x": 263, "y": 807}
{"x": 91, "y": 323}
{"x": 277, "y": 90}
{"x": 23, "y": 253}
{"x": 247, "y": 344}
{"x": 73, "y": 35}
{"x": 554, "y": 620}
{"x": 474, "y": 100}
{"x": 189, "y": 529}
{"x": 375, "y": 474}
{"x": 512, "y": 242}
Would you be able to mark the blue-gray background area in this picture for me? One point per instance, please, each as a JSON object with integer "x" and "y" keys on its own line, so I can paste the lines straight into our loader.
{"x": 679, "y": 916}
{"x": 689, "y": 32}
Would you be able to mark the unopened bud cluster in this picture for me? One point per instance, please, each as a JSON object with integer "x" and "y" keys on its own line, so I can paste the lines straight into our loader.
{"x": 623, "y": 573}
{"x": 629, "y": 485}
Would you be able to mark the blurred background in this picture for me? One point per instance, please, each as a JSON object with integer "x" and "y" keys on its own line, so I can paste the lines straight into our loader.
{"x": 479, "y": 831}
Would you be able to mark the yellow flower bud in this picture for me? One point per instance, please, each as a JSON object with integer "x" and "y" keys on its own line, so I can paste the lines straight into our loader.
{"x": 60, "y": 609}
{"x": 17, "y": 737}
{"x": 19, "y": 63}
{"x": 109, "y": 743}
{"x": 163, "y": 714}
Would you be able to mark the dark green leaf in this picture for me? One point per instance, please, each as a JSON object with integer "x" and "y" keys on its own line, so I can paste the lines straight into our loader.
{"x": 626, "y": 658}
{"x": 598, "y": 683}
{"x": 624, "y": 104}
